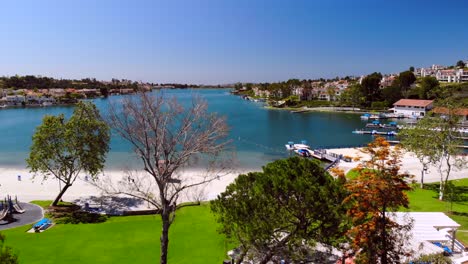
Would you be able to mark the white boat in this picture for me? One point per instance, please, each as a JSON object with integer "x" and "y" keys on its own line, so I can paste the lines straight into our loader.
{"x": 304, "y": 152}
{"x": 46, "y": 104}
{"x": 292, "y": 146}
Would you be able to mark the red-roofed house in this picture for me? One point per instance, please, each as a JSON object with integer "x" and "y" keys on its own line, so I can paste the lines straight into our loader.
{"x": 462, "y": 112}
{"x": 412, "y": 107}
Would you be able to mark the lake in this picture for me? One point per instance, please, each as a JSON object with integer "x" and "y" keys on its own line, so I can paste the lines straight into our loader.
{"x": 258, "y": 134}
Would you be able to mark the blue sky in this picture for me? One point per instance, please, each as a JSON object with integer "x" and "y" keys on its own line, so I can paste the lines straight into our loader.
{"x": 225, "y": 41}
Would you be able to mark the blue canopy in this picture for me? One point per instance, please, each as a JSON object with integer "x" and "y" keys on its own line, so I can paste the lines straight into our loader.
{"x": 376, "y": 122}
{"x": 393, "y": 123}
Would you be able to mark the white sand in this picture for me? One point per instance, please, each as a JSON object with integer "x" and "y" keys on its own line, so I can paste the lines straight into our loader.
{"x": 410, "y": 164}
{"x": 30, "y": 188}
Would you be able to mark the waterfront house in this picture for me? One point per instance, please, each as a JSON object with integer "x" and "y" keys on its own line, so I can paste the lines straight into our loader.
{"x": 13, "y": 100}
{"x": 260, "y": 92}
{"x": 412, "y": 107}
{"x": 88, "y": 93}
{"x": 57, "y": 92}
{"x": 461, "y": 112}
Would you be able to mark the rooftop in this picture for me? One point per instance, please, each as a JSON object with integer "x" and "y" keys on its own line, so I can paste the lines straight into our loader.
{"x": 458, "y": 111}
{"x": 413, "y": 102}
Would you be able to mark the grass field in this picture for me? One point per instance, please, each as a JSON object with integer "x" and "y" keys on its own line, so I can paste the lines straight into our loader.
{"x": 426, "y": 200}
{"x": 131, "y": 239}
{"x": 193, "y": 237}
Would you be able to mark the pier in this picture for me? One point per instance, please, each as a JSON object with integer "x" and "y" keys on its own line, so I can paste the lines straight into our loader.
{"x": 375, "y": 132}
{"x": 322, "y": 154}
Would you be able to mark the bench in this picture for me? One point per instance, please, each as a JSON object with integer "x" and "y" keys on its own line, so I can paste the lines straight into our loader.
{"x": 42, "y": 225}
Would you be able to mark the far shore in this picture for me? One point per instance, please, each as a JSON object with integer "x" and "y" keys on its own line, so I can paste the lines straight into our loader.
{"x": 325, "y": 109}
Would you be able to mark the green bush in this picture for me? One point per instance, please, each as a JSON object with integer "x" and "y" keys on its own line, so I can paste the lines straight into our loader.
{"x": 432, "y": 258}
{"x": 315, "y": 103}
{"x": 379, "y": 105}
{"x": 80, "y": 217}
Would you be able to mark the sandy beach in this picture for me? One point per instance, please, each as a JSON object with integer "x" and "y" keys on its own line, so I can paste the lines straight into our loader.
{"x": 410, "y": 164}
{"x": 29, "y": 188}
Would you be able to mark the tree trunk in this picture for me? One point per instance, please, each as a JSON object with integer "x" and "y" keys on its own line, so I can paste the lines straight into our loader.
{"x": 422, "y": 178}
{"x": 383, "y": 257}
{"x": 441, "y": 191}
{"x": 59, "y": 196}
{"x": 165, "y": 215}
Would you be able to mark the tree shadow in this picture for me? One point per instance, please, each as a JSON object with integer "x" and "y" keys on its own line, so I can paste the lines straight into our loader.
{"x": 111, "y": 205}
{"x": 453, "y": 193}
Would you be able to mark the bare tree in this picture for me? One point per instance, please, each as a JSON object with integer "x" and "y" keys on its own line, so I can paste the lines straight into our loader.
{"x": 168, "y": 137}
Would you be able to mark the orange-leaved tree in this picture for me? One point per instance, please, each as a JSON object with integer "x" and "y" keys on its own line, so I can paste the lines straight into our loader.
{"x": 378, "y": 189}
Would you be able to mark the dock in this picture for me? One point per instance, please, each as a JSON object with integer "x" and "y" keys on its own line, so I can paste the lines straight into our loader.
{"x": 323, "y": 154}
{"x": 375, "y": 132}
{"x": 300, "y": 111}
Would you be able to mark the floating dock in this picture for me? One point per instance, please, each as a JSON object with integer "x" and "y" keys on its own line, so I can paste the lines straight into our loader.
{"x": 375, "y": 132}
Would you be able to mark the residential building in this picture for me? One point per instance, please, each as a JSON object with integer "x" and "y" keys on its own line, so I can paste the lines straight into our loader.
{"x": 261, "y": 93}
{"x": 387, "y": 80}
{"x": 446, "y": 75}
{"x": 452, "y": 75}
{"x": 412, "y": 107}
{"x": 13, "y": 100}
{"x": 461, "y": 112}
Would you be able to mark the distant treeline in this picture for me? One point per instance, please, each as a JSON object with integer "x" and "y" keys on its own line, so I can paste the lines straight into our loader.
{"x": 34, "y": 82}
{"x": 39, "y": 82}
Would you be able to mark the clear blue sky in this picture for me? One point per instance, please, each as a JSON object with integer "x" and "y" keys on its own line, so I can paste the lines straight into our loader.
{"x": 224, "y": 41}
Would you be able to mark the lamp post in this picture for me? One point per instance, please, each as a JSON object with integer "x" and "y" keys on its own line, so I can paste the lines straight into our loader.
{"x": 424, "y": 170}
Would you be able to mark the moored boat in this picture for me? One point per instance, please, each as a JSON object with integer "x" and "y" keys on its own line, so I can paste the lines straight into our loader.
{"x": 292, "y": 146}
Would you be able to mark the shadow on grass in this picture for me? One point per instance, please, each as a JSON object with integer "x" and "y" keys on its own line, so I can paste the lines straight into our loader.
{"x": 453, "y": 193}
{"x": 465, "y": 214}
{"x": 72, "y": 214}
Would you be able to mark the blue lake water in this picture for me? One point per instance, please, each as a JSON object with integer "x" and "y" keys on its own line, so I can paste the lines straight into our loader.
{"x": 258, "y": 134}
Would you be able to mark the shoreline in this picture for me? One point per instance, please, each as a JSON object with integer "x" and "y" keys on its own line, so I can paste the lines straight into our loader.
{"x": 409, "y": 164}
{"x": 28, "y": 189}
{"x": 321, "y": 109}
{"x": 31, "y": 188}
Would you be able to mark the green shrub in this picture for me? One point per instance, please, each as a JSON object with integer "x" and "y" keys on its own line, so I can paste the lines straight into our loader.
{"x": 379, "y": 105}
{"x": 80, "y": 217}
{"x": 432, "y": 258}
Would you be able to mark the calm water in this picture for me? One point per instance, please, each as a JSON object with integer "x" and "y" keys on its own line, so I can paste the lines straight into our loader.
{"x": 259, "y": 134}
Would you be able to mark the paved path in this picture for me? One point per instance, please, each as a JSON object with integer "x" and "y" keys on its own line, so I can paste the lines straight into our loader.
{"x": 33, "y": 214}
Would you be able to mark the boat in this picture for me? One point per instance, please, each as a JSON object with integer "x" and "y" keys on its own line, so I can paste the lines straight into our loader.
{"x": 365, "y": 116}
{"x": 305, "y": 152}
{"x": 292, "y": 146}
{"x": 3, "y": 106}
{"x": 46, "y": 104}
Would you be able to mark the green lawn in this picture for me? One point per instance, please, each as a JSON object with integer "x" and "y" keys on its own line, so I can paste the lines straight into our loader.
{"x": 426, "y": 200}
{"x": 193, "y": 237}
{"x": 131, "y": 239}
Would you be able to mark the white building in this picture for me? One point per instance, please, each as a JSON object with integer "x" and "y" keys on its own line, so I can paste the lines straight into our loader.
{"x": 452, "y": 76}
{"x": 431, "y": 233}
{"x": 412, "y": 107}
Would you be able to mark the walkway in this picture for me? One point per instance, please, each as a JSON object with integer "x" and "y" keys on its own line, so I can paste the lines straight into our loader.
{"x": 33, "y": 214}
